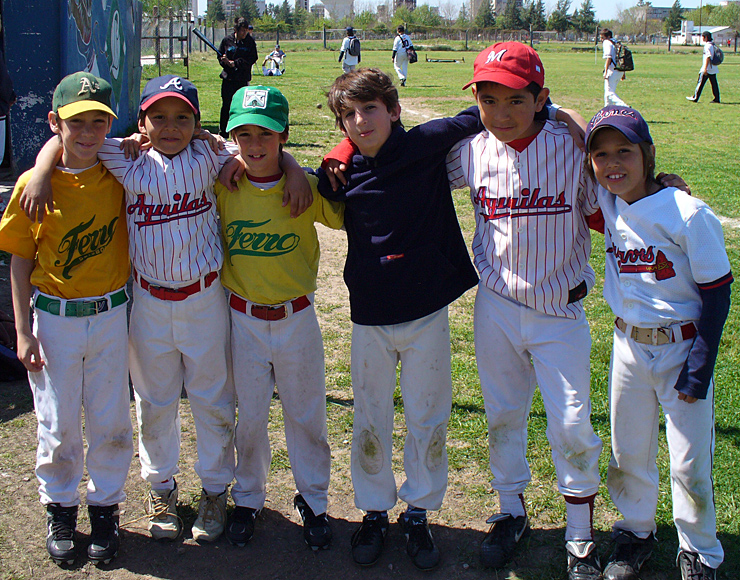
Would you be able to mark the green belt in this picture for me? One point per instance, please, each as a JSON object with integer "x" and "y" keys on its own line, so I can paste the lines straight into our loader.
{"x": 78, "y": 308}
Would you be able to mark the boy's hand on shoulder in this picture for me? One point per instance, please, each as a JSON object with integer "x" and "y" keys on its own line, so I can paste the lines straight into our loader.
{"x": 134, "y": 144}
{"x": 297, "y": 193}
{"x": 335, "y": 172}
{"x": 29, "y": 353}
{"x": 37, "y": 197}
{"x": 231, "y": 172}
{"x": 689, "y": 399}
{"x": 673, "y": 180}
{"x": 215, "y": 142}
{"x": 576, "y": 126}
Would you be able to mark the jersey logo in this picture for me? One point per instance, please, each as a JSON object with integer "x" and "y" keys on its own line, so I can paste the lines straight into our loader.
{"x": 79, "y": 244}
{"x": 160, "y": 213}
{"x": 528, "y": 204}
{"x": 88, "y": 86}
{"x": 255, "y": 99}
{"x": 175, "y": 82}
{"x": 242, "y": 239}
{"x": 658, "y": 264}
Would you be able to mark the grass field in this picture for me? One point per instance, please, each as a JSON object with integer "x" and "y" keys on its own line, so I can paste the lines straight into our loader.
{"x": 698, "y": 141}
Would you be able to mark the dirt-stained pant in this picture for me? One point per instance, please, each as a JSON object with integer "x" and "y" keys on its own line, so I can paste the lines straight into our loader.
{"x": 641, "y": 380}
{"x": 423, "y": 348}
{"x": 86, "y": 365}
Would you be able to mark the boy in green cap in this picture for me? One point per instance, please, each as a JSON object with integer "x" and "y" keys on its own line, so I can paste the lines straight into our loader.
{"x": 270, "y": 266}
{"x": 77, "y": 352}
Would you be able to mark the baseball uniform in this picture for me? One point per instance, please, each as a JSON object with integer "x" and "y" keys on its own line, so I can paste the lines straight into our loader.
{"x": 612, "y": 76}
{"x": 81, "y": 269}
{"x": 270, "y": 267}
{"x": 531, "y": 247}
{"x": 400, "y": 58}
{"x": 176, "y": 253}
{"x": 662, "y": 252}
{"x": 349, "y": 62}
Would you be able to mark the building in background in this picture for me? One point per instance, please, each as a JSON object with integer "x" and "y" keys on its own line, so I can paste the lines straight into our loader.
{"x": 302, "y": 4}
{"x": 319, "y": 10}
{"x": 690, "y": 34}
{"x": 338, "y": 9}
{"x": 410, "y": 4}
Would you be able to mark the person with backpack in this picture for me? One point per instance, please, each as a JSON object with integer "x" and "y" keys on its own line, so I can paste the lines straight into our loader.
{"x": 350, "y": 51}
{"x": 711, "y": 57}
{"x": 401, "y": 47}
{"x": 611, "y": 75}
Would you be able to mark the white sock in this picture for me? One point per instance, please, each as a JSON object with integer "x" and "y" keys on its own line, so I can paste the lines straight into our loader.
{"x": 580, "y": 518}
{"x": 511, "y": 503}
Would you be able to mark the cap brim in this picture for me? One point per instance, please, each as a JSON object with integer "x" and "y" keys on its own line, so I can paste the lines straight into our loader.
{"x": 254, "y": 119}
{"x": 73, "y": 109}
{"x": 501, "y": 77}
{"x": 151, "y": 100}
{"x": 631, "y": 136}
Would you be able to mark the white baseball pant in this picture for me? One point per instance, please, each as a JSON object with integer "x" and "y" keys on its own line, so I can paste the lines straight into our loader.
{"x": 423, "y": 348}
{"x": 610, "y": 89}
{"x": 641, "y": 379}
{"x": 86, "y": 365}
{"x": 287, "y": 354}
{"x": 517, "y": 348}
{"x": 172, "y": 344}
{"x": 401, "y": 64}
{"x": 347, "y": 68}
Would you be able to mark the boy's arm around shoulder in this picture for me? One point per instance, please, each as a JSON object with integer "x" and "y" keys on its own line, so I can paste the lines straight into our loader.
{"x": 327, "y": 212}
{"x": 442, "y": 134}
{"x": 36, "y": 197}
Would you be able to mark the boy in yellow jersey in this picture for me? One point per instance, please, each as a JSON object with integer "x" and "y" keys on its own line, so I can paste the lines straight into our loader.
{"x": 270, "y": 266}
{"x": 77, "y": 352}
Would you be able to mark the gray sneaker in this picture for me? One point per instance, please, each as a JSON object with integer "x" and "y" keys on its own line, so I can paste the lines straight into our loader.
{"x": 211, "y": 520}
{"x": 164, "y": 523}
{"x": 692, "y": 568}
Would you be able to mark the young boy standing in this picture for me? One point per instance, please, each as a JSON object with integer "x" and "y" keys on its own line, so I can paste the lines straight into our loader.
{"x": 531, "y": 248}
{"x": 270, "y": 270}
{"x": 76, "y": 353}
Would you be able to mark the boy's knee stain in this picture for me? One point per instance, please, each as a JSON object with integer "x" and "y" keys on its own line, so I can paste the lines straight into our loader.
{"x": 371, "y": 453}
{"x": 436, "y": 450}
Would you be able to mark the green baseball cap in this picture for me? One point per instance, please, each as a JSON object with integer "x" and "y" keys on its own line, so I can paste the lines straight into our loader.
{"x": 259, "y": 105}
{"x": 80, "y": 92}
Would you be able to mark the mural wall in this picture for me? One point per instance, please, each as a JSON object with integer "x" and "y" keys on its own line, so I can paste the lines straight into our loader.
{"x": 46, "y": 40}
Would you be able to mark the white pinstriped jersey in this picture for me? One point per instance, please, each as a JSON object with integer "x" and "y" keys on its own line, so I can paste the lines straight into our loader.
{"x": 531, "y": 241}
{"x": 173, "y": 229}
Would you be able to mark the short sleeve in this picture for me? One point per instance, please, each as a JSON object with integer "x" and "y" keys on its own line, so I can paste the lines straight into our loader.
{"x": 16, "y": 230}
{"x": 705, "y": 246}
{"x": 457, "y": 159}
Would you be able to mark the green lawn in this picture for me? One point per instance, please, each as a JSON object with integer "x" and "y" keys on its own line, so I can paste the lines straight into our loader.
{"x": 698, "y": 141}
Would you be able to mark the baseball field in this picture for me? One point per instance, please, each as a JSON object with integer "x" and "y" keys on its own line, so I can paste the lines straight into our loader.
{"x": 698, "y": 141}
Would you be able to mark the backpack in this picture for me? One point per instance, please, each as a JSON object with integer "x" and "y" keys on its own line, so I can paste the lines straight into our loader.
{"x": 411, "y": 54}
{"x": 624, "y": 59}
{"x": 718, "y": 57}
{"x": 354, "y": 46}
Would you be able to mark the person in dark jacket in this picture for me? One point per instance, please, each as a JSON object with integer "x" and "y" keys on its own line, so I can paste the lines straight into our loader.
{"x": 7, "y": 98}
{"x": 239, "y": 52}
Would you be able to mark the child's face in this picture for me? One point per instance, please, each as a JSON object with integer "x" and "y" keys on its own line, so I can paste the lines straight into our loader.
{"x": 260, "y": 149}
{"x": 368, "y": 124}
{"x": 508, "y": 113}
{"x": 82, "y": 137}
{"x": 169, "y": 123}
{"x": 618, "y": 165}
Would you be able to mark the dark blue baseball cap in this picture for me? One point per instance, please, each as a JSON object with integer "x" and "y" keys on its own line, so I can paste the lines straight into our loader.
{"x": 169, "y": 86}
{"x": 624, "y": 119}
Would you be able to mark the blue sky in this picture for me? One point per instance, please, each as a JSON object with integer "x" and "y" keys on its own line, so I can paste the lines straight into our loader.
{"x": 605, "y": 9}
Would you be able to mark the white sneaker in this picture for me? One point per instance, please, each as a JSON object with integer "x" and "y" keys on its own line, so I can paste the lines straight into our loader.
{"x": 211, "y": 519}
{"x": 164, "y": 523}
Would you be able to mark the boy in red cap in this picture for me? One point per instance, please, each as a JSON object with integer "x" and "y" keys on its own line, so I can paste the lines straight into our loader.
{"x": 531, "y": 247}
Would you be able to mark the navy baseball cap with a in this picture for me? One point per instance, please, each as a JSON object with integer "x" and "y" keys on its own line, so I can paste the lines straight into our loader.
{"x": 169, "y": 86}
{"x": 624, "y": 119}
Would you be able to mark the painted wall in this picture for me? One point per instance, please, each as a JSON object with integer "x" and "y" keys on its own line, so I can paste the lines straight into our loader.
{"x": 48, "y": 39}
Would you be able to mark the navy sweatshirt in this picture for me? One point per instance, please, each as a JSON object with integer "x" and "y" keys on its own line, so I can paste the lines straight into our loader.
{"x": 406, "y": 255}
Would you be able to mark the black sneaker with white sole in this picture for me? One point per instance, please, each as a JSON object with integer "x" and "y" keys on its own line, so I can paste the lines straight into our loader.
{"x": 420, "y": 544}
{"x": 240, "y": 525}
{"x": 692, "y": 568}
{"x": 368, "y": 539}
{"x": 316, "y": 529}
{"x": 497, "y": 548}
{"x": 61, "y": 524}
{"x": 628, "y": 555}
{"x": 104, "y": 533}
{"x": 583, "y": 560}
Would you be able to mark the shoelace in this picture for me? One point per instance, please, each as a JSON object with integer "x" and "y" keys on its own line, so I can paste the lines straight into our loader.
{"x": 210, "y": 507}
{"x": 159, "y": 506}
{"x": 62, "y": 526}
{"x": 419, "y": 534}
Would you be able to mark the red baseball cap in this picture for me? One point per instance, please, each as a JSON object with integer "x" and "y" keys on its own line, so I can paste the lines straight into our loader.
{"x": 512, "y": 64}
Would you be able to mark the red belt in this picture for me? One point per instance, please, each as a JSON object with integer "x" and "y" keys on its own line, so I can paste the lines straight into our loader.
{"x": 270, "y": 313}
{"x": 657, "y": 336}
{"x": 176, "y": 294}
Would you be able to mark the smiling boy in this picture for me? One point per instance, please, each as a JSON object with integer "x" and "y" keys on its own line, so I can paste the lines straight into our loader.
{"x": 531, "y": 248}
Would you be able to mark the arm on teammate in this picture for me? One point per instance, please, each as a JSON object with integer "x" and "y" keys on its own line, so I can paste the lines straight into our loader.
{"x": 37, "y": 195}
{"x": 28, "y": 352}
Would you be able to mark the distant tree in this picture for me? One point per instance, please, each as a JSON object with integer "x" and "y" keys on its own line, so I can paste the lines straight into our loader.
{"x": 463, "y": 17}
{"x": 403, "y": 14}
{"x": 533, "y": 15}
{"x": 248, "y": 10}
{"x": 485, "y": 17}
{"x": 559, "y": 19}
{"x": 364, "y": 19}
{"x": 584, "y": 20}
{"x": 512, "y": 18}
{"x": 380, "y": 29}
{"x": 425, "y": 16}
{"x": 215, "y": 12}
{"x": 673, "y": 20}
{"x": 285, "y": 13}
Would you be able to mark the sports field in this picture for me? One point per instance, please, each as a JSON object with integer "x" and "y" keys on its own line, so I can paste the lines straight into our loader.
{"x": 698, "y": 141}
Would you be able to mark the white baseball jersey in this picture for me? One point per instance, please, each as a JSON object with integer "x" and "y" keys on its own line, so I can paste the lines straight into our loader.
{"x": 708, "y": 52}
{"x": 400, "y": 44}
{"x": 610, "y": 51}
{"x": 171, "y": 210}
{"x": 349, "y": 59}
{"x": 658, "y": 250}
{"x": 531, "y": 241}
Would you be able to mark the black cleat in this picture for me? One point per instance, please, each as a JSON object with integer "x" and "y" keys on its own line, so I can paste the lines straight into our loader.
{"x": 583, "y": 560}
{"x": 692, "y": 568}
{"x": 628, "y": 555}
{"x": 497, "y": 548}
{"x": 105, "y": 536}
{"x": 368, "y": 539}
{"x": 61, "y": 523}
{"x": 240, "y": 525}
{"x": 316, "y": 529}
{"x": 420, "y": 544}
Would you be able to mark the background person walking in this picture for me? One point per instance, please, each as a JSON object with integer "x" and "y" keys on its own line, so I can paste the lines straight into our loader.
{"x": 400, "y": 58}
{"x": 350, "y": 51}
{"x": 611, "y": 75}
{"x": 708, "y": 70}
